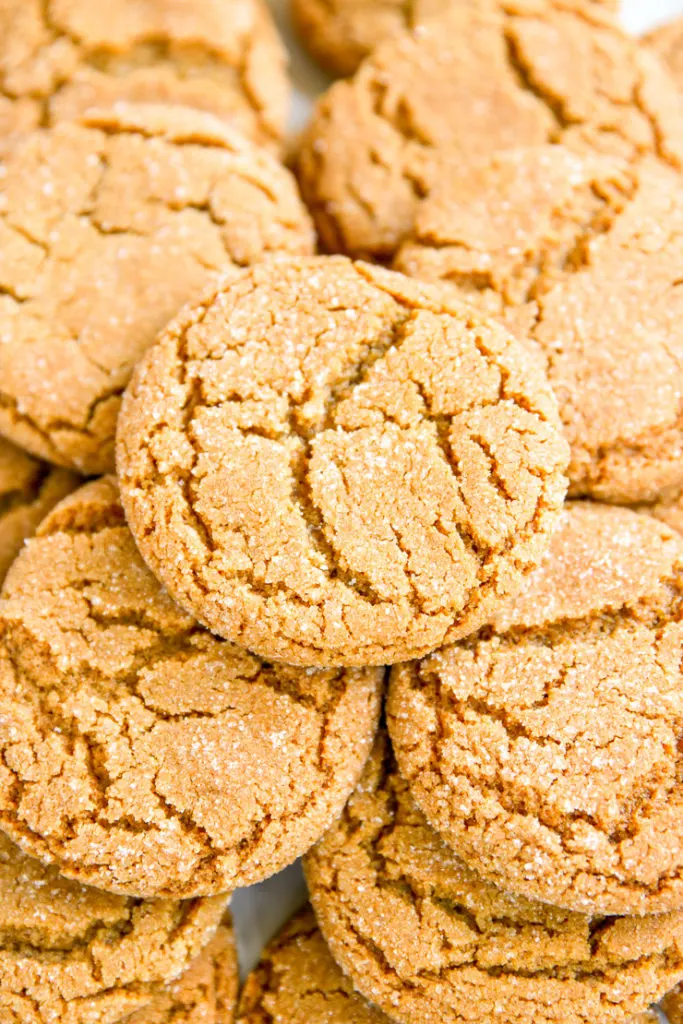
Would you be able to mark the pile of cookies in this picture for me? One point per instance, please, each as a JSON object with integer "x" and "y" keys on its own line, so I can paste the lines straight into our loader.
{"x": 341, "y": 513}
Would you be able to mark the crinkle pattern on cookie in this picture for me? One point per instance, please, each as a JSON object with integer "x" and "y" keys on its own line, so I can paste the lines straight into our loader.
{"x": 106, "y": 229}
{"x": 430, "y": 942}
{"x": 29, "y": 489}
{"x": 488, "y": 76}
{"x": 298, "y": 981}
{"x": 546, "y": 749}
{"x": 138, "y": 752}
{"x": 331, "y": 464}
{"x": 70, "y": 954}
{"x": 205, "y": 993}
{"x": 585, "y": 257}
{"x": 59, "y": 58}
{"x": 341, "y": 33}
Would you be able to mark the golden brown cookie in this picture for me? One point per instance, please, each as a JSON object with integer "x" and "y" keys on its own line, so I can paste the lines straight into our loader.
{"x": 667, "y": 41}
{"x": 430, "y": 942}
{"x": 106, "y": 229}
{"x": 205, "y": 993}
{"x": 140, "y": 753}
{"x": 545, "y": 749}
{"x": 490, "y": 75}
{"x": 331, "y": 464}
{"x": 29, "y": 489}
{"x": 672, "y": 1005}
{"x": 61, "y": 57}
{"x": 341, "y": 33}
{"x": 70, "y": 954}
{"x": 298, "y": 982}
{"x": 583, "y": 256}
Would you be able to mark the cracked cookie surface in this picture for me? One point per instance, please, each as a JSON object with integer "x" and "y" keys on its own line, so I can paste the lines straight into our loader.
{"x": 583, "y": 256}
{"x": 487, "y": 77}
{"x": 298, "y": 981}
{"x": 70, "y": 954}
{"x": 59, "y": 58}
{"x": 205, "y": 993}
{"x": 106, "y": 229}
{"x": 547, "y": 748}
{"x": 341, "y": 33}
{"x": 430, "y": 942}
{"x": 138, "y": 752}
{"x": 331, "y": 464}
{"x": 29, "y": 489}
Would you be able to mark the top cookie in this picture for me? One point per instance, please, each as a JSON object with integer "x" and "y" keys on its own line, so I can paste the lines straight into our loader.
{"x": 545, "y": 749}
{"x": 60, "y": 57}
{"x": 298, "y": 982}
{"x": 331, "y": 464}
{"x": 140, "y": 753}
{"x": 667, "y": 41}
{"x": 70, "y": 954}
{"x": 205, "y": 993}
{"x": 584, "y": 256}
{"x": 430, "y": 942}
{"x": 106, "y": 229}
{"x": 489, "y": 75}
{"x": 28, "y": 490}
{"x": 341, "y": 33}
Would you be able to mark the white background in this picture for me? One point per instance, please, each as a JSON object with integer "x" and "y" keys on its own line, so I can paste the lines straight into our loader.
{"x": 262, "y": 909}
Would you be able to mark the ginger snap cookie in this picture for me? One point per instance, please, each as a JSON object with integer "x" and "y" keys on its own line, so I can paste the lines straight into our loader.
{"x": 60, "y": 57}
{"x": 430, "y": 942}
{"x": 583, "y": 256}
{"x": 140, "y": 753}
{"x": 298, "y": 981}
{"x": 205, "y": 993}
{"x": 488, "y": 76}
{"x": 29, "y": 489}
{"x": 106, "y": 229}
{"x": 339, "y": 34}
{"x": 73, "y": 954}
{"x": 331, "y": 464}
{"x": 545, "y": 749}
{"x": 667, "y": 41}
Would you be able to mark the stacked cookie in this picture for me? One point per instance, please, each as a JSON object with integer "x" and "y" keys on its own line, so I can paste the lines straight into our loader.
{"x": 289, "y": 563}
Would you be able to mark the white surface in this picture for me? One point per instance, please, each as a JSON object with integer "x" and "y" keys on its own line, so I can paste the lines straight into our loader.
{"x": 261, "y": 910}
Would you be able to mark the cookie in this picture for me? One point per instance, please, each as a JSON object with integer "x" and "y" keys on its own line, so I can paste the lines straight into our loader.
{"x": 206, "y": 993}
{"x": 60, "y": 57}
{"x": 583, "y": 256}
{"x": 669, "y": 511}
{"x": 140, "y": 753}
{"x": 667, "y": 41}
{"x": 339, "y": 34}
{"x": 298, "y": 981}
{"x": 29, "y": 489}
{"x": 488, "y": 76}
{"x": 106, "y": 229}
{"x": 545, "y": 748}
{"x": 330, "y": 464}
{"x": 672, "y": 1005}
{"x": 70, "y": 954}
{"x": 430, "y": 942}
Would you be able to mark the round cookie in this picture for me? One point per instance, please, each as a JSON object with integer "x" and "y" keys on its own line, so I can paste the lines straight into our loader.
{"x": 545, "y": 749}
{"x": 29, "y": 489}
{"x": 206, "y": 993}
{"x": 584, "y": 256}
{"x": 488, "y": 76}
{"x": 59, "y": 58}
{"x": 106, "y": 229}
{"x": 70, "y": 954}
{"x": 140, "y": 753}
{"x": 299, "y": 982}
{"x": 667, "y": 41}
{"x": 341, "y": 33}
{"x": 330, "y": 464}
{"x": 430, "y": 942}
